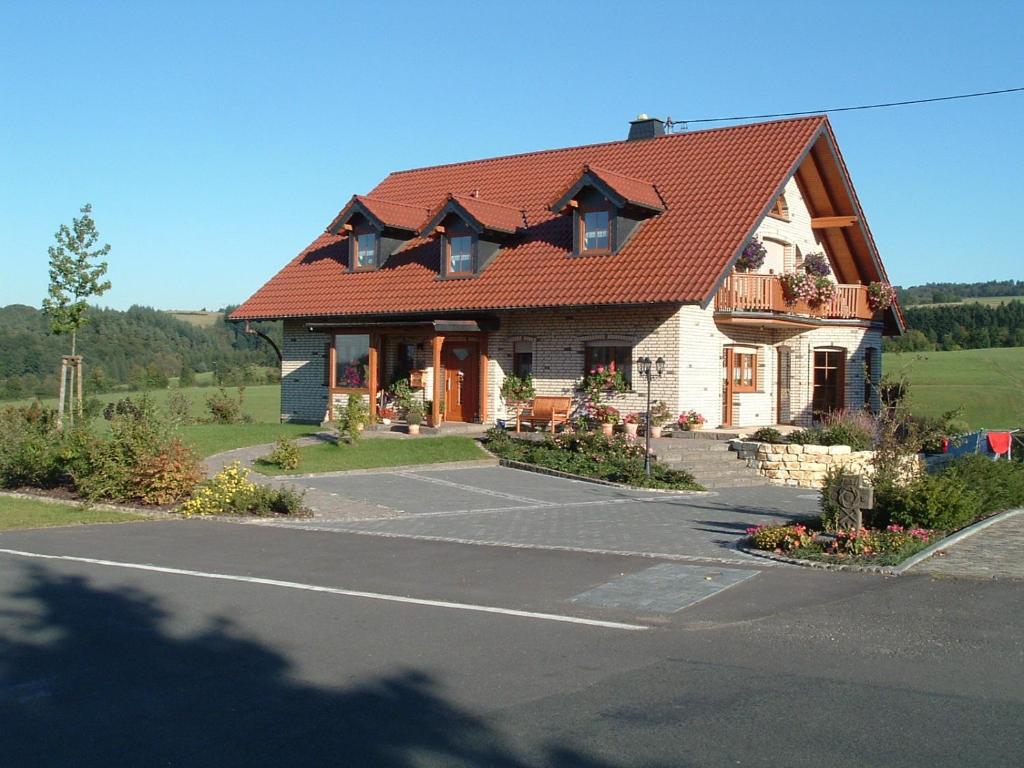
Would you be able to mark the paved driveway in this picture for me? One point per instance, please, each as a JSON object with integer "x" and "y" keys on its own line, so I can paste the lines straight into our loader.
{"x": 509, "y": 507}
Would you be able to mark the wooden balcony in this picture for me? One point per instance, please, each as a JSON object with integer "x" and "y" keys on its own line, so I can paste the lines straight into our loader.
{"x": 747, "y": 298}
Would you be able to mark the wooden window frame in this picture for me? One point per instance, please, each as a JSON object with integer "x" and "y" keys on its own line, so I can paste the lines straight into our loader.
{"x": 739, "y": 356}
{"x": 581, "y": 230}
{"x": 333, "y": 365}
{"x": 473, "y": 254}
{"x": 362, "y": 228}
{"x": 840, "y": 380}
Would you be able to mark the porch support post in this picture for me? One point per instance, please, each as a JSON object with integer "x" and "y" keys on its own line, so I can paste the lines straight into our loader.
{"x": 435, "y": 403}
{"x": 483, "y": 378}
{"x": 373, "y": 383}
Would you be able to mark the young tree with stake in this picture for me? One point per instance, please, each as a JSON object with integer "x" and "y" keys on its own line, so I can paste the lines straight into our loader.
{"x": 75, "y": 277}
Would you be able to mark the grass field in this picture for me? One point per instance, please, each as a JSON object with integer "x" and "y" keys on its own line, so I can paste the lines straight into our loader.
{"x": 989, "y": 383}
{"x": 29, "y": 513}
{"x": 989, "y": 301}
{"x": 382, "y": 452}
{"x": 202, "y": 319}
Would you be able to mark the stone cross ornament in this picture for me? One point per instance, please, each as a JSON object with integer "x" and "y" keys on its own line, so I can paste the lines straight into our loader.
{"x": 853, "y": 495}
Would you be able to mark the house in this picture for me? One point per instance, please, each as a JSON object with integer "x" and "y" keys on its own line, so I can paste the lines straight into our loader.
{"x": 552, "y": 263}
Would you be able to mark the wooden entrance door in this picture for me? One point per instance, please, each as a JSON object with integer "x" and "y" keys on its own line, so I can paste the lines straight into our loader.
{"x": 784, "y": 413}
{"x": 729, "y": 393}
{"x": 461, "y": 380}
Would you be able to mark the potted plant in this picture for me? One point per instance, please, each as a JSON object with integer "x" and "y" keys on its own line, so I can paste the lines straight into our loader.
{"x": 603, "y": 380}
{"x": 691, "y": 420}
{"x": 752, "y": 257}
{"x": 607, "y": 417}
{"x": 658, "y": 417}
{"x": 387, "y": 415}
{"x": 356, "y": 414}
{"x": 414, "y": 417}
{"x": 632, "y": 422}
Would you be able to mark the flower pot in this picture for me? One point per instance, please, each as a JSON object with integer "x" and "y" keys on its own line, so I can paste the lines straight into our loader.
{"x": 655, "y": 431}
{"x": 414, "y": 429}
{"x": 631, "y": 429}
{"x": 695, "y": 427}
{"x": 607, "y": 429}
{"x": 386, "y": 422}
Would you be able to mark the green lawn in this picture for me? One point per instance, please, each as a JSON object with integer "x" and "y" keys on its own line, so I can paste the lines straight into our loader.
{"x": 29, "y": 513}
{"x": 989, "y": 383}
{"x": 214, "y": 438}
{"x": 382, "y": 452}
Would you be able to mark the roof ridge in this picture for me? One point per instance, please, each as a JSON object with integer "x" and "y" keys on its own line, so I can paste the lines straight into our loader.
{"x": 555, "y": 150}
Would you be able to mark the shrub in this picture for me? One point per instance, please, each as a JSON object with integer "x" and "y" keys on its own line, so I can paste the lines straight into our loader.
{"x": 179, "y": 409}
{"x": 285, "y": 455}
{"x": 781, "y": 538}
{"x": 660, "y": 415}
{"x": 30, "y": 447}
{"x": 591, "y": 454}
{"x": 354, "y": 417}
{"x": 229, "y": 492}
{"x": 944, "y": 502}
{"x": 767, "y": 435}
{"x": 225, "y": 409}
{"x": 890, "y": 545}
{"x": 142, "y": 459}
{"x": 1000, "y": 484}
{"x": 515, "y": 390}
{"x": 414, "y": 413}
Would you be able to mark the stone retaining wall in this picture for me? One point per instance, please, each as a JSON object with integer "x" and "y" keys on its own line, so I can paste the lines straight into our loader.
{"x": 803, "y": 466}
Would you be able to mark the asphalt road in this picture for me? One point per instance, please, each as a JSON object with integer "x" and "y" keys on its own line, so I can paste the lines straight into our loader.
{"x": 102, "y": 664}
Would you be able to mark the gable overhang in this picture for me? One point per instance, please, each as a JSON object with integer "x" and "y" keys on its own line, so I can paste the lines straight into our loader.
{"x": 356, "y": 207}
{"x": 590, "y": 177}
{"x": 825, "y": 184}
{"x": 451, "y": 207}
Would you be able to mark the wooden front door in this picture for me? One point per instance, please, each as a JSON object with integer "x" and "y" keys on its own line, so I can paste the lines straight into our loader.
{"x": 461, "y": 362}
{"x": 784, "y": 413}
{"x": 729, "y": 394}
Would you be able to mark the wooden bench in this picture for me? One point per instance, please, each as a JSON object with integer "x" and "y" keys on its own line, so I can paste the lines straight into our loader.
{"x": 545, "y": 410}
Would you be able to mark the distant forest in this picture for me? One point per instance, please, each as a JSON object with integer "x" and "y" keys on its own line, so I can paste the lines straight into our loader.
{"x": 947, "y": 293}
{"x": 935, "y": 321}
{"x": 137, "y": 348}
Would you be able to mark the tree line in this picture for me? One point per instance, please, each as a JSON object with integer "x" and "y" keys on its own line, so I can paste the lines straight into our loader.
{"x": 946, "y": 293}
{"x": 961, "y": 326}
{"x": 139, "y": 348}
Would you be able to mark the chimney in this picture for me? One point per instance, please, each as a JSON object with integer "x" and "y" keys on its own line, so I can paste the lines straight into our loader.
{"x": 645, "y": 127}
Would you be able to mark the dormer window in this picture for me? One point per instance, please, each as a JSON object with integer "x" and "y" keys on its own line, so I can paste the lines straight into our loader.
{"x": 366, "y": 250}
{"x": 460, "y": 255}
{"x": 607, "y": 209}
{"x": 595, "y": 230}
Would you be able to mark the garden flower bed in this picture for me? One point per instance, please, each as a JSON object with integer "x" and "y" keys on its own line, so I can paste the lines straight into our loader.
{"x": 589, "y": 454}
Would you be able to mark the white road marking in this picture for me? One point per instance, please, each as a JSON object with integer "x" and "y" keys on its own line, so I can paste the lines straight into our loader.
{"x": 475, "y": 489}
{"x": 333, "y": 590}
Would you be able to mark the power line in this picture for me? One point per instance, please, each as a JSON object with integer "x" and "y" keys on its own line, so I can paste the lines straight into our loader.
{"x": 846, "y": 109}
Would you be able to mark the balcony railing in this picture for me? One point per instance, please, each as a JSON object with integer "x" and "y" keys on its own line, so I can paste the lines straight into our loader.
{"x": 763, "y": 293}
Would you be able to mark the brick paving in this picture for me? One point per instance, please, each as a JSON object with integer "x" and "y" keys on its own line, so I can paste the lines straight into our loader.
{"x": 995, "y": 552}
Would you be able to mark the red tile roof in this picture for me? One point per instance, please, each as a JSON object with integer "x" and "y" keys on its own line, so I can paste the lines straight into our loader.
{"x": 715, "y": 184}
{"x": 494, "y": 216}
{"x": 387, "y": 212}
{"x": 630, "y": 189}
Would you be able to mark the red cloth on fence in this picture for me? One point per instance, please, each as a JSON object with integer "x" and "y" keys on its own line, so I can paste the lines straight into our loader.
{"x": 999, "y": 442}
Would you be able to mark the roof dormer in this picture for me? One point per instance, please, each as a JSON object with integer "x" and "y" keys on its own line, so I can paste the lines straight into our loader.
{"x": 471, "y": 232}
{"x": 375, "y": 229}
{"x": 607, "y": 207}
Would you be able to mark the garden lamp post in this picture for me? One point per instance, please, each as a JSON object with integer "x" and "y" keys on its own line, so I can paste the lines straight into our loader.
{"x": 644, "y": 365}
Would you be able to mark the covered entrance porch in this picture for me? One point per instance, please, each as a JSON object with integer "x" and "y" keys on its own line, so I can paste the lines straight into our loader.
{"x": 445, "y": 362}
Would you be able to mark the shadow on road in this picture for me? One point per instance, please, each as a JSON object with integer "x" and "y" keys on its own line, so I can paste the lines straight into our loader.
{"x": 92, "y": 677}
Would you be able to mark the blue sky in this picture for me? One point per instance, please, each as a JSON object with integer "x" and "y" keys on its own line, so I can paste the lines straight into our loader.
{"x": 214, "y": 140}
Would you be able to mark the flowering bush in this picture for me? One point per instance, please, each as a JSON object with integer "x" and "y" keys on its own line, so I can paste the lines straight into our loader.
{"x": 691, "y": 418}
{"x": 229, "y": 492}
{"x": 752, "y": 257}
{"x": 868, "y": 543}
{"x": 780, "y": 538}
{"x": 816, "y": 265}
{"x": 285, "y": 455}
{"x": 881, "y": 296}
{"x": 631, "y": 418}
